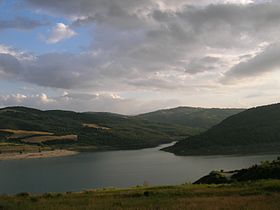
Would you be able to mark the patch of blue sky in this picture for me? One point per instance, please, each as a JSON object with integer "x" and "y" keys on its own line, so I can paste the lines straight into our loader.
{"x": 5, "y": 9}
{"x": 34, "y": 40}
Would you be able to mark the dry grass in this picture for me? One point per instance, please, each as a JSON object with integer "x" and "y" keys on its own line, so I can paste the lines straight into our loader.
{"x": 22, "y": 132}
{"x": 41, "y": 139}
{"x": 96, "y": 126}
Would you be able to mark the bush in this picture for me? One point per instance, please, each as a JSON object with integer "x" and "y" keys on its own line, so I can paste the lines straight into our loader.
{"x": 23, "y": 194}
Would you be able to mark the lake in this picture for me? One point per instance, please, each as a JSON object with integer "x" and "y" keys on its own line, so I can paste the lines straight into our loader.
{"x": 113, "y": 169}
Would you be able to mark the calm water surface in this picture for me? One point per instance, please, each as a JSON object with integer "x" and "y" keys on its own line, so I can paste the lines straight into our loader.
{"x": 113, "y": 169}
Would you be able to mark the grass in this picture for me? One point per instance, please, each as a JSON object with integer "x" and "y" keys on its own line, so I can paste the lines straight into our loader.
{"x": 6, "y": 147}
{"x": 247, "y": 195}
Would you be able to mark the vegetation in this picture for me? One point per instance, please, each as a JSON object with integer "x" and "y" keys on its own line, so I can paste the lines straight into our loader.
{"x": 214, "y": 177}
{"x": 97, "y": 131}
{"x": 265, "y": 170}
{"x": 260, "y": 195}
{"x": 254, "y": 130}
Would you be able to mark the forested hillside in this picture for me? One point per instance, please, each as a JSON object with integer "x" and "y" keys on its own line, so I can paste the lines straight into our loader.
{"x": 254, "y": 130}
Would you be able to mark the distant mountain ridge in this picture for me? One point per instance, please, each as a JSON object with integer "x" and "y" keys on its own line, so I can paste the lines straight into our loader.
{"x": 122, "y": 132}
{"x": 254, "y": 130}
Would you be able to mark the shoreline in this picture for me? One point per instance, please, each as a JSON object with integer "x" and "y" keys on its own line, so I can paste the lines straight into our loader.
{"x": 33, "y": 155}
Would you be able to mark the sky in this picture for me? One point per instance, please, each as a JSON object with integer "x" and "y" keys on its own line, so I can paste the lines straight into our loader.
{"x": 131, "y": 57}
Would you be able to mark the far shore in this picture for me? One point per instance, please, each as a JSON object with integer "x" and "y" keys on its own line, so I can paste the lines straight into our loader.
{"x": 31, "y": 155}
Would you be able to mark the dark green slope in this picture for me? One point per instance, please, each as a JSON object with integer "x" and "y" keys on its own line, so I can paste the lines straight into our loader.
{"x": 201, "y": 118}
{"x": 254, "y": 130}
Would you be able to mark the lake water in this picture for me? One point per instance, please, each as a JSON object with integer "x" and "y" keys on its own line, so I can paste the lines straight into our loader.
{"x": 113, "y": 169}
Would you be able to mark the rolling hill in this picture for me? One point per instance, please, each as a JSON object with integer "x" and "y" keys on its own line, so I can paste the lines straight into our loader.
{"x": 103, "y": 131}
{"x": 251, "y": 131}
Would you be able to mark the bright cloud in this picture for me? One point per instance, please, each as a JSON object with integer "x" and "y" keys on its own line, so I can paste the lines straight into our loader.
{"x": 60, "y": 32}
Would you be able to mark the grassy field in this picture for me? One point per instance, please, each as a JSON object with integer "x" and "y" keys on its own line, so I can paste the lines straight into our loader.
{"x": 248, "y": 195}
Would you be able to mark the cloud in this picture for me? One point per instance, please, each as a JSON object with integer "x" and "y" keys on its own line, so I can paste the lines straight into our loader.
{"x": 73, "y": 101}
{"x": 22, "y": 23}
{"x": 60, "y": 32}
{"x": 206, "y": 63}
{"x": 9, "y": 65}
{"x": 153, "y": 48}
{"x": 266, "y": 61}
{"x": 61, "y": 70}
{"x": 25, "y": 100}
{"x": 81, "y": 102}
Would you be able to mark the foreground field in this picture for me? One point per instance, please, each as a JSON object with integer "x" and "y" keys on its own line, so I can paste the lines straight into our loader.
{"x": 249, "y": 195}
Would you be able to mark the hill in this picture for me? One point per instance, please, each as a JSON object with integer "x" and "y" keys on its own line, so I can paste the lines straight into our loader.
{"x": 94, "y": 130}
{"x": 251, "y": 131}
{"x": 201, "y": 118}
